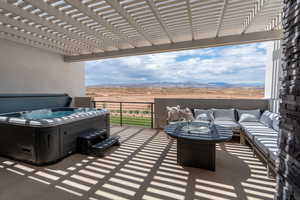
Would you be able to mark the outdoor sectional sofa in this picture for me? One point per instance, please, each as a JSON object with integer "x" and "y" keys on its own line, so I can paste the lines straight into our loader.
{"x": 259, "y": 130}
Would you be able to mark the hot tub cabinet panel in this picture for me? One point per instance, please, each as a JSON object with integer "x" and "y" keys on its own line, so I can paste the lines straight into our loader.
{"x": 47, "y": 145}
{"x": 18, "y": 142}
{"x": 47, "y": 142}
{"x": 70, "y": 132}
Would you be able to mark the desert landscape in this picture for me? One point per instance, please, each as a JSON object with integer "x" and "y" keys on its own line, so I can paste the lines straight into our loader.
{"x": 148, "y": 94}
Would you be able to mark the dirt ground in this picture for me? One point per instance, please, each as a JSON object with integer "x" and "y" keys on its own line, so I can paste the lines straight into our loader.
{"x": 148, "y": 94}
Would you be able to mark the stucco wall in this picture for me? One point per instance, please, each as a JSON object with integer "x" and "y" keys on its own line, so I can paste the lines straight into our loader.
{"x": 25, "y": 69}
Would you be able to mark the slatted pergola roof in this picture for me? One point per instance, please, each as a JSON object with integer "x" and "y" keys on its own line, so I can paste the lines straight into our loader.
{"x": 96, "y": 29}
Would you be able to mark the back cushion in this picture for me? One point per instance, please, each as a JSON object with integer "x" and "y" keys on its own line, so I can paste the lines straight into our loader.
{"x": 275, "y": 122}
{"x": 223, "y": 114}
{"x": 249, "y": 115}
{"x": 203, "y": 115}
{"x": 267, "y": 118}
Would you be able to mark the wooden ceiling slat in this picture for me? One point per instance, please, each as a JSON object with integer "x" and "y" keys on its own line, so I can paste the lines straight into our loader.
{"x": 106, "y": 27}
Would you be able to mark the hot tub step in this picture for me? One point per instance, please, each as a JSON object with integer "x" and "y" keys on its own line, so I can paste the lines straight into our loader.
{"x": 93, "y": 135}
{"x": 99, "y": 148}
{"x": 86, "y": 140}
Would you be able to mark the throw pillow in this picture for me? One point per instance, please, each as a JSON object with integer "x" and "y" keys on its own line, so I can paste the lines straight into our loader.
{"x": 223, "y": 114}
{"x": 202, "y": 115}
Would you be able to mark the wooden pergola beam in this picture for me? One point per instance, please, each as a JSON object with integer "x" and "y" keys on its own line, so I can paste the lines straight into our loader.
{"x": 116, "y": 5}
{"x": 251, "y": 19}
{"x": 160, "y": 20}
{"x": 220, "y": 23}
{"x": 196, "y": 44}
{"x": 90, "y": 13}
{"x": 101, "y": 41}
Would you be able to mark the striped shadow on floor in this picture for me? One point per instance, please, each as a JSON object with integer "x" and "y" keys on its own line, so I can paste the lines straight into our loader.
{"x": 143, "y": 167}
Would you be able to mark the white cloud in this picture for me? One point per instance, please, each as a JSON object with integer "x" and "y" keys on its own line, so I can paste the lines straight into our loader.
{"x": 242, "y": 63}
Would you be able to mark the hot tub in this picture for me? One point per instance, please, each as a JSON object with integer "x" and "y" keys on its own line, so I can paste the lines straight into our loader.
{"x": 45, "y": 136}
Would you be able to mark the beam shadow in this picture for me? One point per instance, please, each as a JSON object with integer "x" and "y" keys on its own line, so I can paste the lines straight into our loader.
{"x": 144, "y": 167}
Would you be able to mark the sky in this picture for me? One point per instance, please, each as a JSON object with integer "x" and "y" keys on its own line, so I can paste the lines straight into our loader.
{"x": 238, "y": 64}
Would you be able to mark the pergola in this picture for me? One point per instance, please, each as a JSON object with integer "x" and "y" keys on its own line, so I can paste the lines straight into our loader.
{"x": 96, "y": 29}
{"x": 40, "y": 41}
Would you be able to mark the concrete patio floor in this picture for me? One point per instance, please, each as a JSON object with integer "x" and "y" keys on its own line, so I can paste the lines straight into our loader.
{"x": 144, "y": 167}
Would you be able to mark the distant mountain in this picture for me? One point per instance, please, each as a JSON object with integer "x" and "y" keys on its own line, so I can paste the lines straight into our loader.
{"x": 179, "y": 85}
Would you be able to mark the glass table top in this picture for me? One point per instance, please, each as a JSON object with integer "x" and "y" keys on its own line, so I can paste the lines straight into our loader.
{"x": 198, "y": 131}
{"x": 195, "y": 128}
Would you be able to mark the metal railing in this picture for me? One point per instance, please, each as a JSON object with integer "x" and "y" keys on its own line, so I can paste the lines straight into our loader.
{"x": 129, "y": 113}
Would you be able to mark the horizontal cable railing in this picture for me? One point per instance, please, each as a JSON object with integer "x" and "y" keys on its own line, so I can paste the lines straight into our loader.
{"x": 129, "y": 113}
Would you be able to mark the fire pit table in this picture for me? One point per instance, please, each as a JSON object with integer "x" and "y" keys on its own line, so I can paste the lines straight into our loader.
{"x": 196, "y": 142}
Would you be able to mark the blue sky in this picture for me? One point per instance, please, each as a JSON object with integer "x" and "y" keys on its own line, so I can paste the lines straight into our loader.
{"x": 230, "y": 64}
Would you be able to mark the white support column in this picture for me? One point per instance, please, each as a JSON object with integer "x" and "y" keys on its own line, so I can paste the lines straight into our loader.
{"x": 273, "y": 74}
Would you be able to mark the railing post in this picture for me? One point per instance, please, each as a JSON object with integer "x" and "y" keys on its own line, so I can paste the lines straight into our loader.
{"x": 152, "y": 113}
{"x": 121, "y": 114}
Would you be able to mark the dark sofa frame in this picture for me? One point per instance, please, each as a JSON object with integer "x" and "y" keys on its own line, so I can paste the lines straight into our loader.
{"x": 271, "y": 166}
